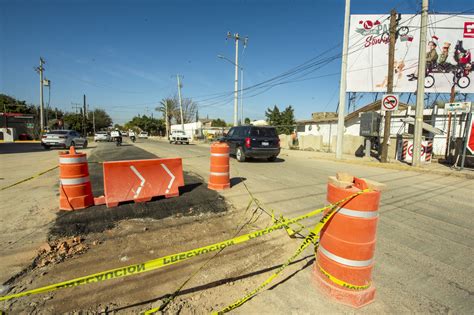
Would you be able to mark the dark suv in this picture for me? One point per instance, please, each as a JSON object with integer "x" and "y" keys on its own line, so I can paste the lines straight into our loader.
{"x": 253, "y": 142}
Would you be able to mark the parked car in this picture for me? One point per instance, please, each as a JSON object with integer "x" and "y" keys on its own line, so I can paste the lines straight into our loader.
{"x": 179, "y": 136}
{"x": 101, "y": 136}
{"x": 63, "y": 139}
{"x": 143, "y": 135}
{"x": 124, "y": 133}
{"x": 253, "y": 142}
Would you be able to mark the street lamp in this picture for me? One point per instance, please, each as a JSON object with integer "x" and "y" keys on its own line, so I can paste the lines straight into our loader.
{"x": 241, "y": 88}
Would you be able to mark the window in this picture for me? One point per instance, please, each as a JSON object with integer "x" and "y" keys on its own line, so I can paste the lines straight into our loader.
{"x": 263, "y": 132}
{"x": 58, "y": 132}
{"x": 242, "y": 132}
{"x": 231, "y": 132}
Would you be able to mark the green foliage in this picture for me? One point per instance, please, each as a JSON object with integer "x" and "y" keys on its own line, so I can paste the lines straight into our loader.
{"x": 102, "y": 119}
{"x": 273, "y": 116}
{"x": 73, "y": 121}
{"x": 218, "y": 123}
{"x": 284, "y": 121}
{"x": 287, "y": 120}
{"x": 12, "y": 105}
{"x": 247, "y": 121}
{"x": 151, "y": 125}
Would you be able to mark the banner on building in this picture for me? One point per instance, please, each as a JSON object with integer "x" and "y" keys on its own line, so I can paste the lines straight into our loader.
{"x": 450, "y": 45}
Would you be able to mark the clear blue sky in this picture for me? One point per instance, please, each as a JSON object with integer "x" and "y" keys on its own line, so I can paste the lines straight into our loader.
{"x": 124, "y": 55}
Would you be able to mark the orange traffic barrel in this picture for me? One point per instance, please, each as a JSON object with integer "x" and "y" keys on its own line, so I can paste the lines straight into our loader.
{"x": 345, "y": 256}
{"x": 219, "y": 178}
{"x": 75, "y": 186}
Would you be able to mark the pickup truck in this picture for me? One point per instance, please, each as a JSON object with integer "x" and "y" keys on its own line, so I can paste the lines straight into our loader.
{"x": 179, "y": 136}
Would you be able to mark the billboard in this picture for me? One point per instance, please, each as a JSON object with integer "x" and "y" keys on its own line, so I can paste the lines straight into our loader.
{"x": 450, "y": 43}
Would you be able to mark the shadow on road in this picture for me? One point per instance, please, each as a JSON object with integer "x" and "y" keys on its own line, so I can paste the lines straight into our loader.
{"x": 234, "y": 181}
{"x": 18, "y": 147}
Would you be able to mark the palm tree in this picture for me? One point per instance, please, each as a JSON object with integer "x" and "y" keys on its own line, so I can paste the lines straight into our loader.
{"x": 168, "y": 108}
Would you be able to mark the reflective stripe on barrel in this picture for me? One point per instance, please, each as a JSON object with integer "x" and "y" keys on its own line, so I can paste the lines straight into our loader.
{"x": 74, "y": 181}
{"x": 72, "y": 160}
{"x": 358, "y": 214}
{"x": 219, "y": 174}
{"x": 345, "y": 261}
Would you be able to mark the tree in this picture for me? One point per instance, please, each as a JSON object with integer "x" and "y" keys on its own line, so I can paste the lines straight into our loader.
{"x": 10, "y": 104}
{"x": 170, "y": 105}
{"x": 168, "y": 109}
{"x": 148, "y": 124}
{"x": 101, "y": 118}
{"x": 247, "y": 121}
{"x": 273, "y": 116}
{"x": 287, "y": 120}
{"x": 218, "y": 123}
{"x": 284, "y": 121}
{"x": 73, "y": 121}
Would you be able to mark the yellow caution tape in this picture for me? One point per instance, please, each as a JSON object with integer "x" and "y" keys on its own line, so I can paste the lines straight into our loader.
{"x": 312, "y": 237}
{"x": 343, "y": 283}
{"x": 171, "y": 259}
{"x": 30, "y": 178}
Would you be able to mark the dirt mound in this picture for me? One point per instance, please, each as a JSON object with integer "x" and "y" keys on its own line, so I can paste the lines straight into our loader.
{"x": 58, "y": 250}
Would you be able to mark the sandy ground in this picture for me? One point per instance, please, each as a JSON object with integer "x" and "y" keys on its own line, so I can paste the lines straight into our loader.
{"x": 423, "y": 258}
{"x": 29, "y": 209}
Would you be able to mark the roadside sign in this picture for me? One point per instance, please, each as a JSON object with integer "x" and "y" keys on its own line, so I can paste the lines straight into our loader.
{"x": 406, "y": 151}
{"x": 29, "y": 125}
{"x": 470, "y": 138}
{"x": 390, "y": 102}
{"x": 458, "y": 107}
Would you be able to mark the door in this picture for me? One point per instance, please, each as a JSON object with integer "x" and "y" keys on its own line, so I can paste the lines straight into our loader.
{"x": 230, "y": 139}
{"x": 78, "y": 140}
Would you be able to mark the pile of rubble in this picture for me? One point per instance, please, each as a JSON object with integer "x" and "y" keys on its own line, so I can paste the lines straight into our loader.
{"x": 58, "y": 250}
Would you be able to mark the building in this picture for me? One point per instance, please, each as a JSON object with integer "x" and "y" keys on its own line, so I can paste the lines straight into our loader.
{"x": 324, "y": 125}
{"x": 16, "y": 126}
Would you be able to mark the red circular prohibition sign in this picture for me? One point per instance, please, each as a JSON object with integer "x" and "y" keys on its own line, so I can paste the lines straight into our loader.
{"x": 390, "y": 102}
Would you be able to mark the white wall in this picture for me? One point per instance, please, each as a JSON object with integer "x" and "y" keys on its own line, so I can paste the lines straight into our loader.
{"x": 352, "y": 127}
{"x": 9, "y": 134}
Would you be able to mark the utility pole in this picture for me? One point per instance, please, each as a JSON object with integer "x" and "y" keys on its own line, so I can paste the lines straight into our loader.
{"x": 93, "y": 121}
{"x": 84, "y": 113}
{"x": 236, "y": 38}
{"x": 40, "y": 70}
{"x": 241, "y": 96}
{"x": 420, "y": 91}
{"x": 391, "y": 60}
{"x": 166, "y": 119}
{"x": 180, "y": 101}
{"x": 447, "y": 154}
{"x": 342, "y": 86}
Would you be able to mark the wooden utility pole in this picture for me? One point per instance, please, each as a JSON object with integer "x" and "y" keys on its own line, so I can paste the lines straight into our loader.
{"x": 447, "y": 156}
{"x": 84, "y": 113}
{"x": 391, "y": 60}
{"x": 180, "y": 101}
